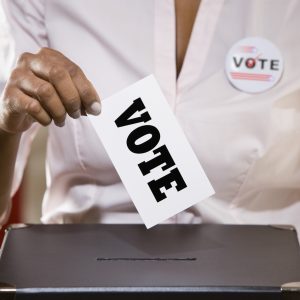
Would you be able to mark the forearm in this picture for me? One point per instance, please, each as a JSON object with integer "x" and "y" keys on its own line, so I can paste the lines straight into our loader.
{"x": 9, "y": 144}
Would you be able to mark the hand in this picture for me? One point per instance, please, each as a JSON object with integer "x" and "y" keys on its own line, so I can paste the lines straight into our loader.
{"x": 44, "y": 87}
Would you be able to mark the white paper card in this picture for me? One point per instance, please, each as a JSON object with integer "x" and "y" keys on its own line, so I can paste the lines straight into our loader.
{"x": 150, "y": 152}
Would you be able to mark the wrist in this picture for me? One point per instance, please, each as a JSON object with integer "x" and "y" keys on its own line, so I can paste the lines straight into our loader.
{"x": 6, "y": 134}
{"x": 9, "y": 137}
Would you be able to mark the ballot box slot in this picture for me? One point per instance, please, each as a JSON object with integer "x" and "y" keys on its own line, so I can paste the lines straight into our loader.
{"x": 146, "y": 259}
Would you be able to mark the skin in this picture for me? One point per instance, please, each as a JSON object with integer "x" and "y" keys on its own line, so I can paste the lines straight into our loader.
{"x": 186, "y": 11}
{"x": 46, "y": 86}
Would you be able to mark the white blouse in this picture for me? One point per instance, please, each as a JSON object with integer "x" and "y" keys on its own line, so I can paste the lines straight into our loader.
{"x": 248, "y": 144}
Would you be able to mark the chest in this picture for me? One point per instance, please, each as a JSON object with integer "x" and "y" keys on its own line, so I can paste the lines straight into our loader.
{"x": 121, "y": 42}
{"x": 185, "y": 13}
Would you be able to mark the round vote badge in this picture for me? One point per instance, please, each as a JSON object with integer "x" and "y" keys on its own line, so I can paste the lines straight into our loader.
{"x": 254, "y": 65}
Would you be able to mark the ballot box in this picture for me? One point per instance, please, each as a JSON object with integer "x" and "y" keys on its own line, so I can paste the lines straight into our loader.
{"x": 165, "y": 262}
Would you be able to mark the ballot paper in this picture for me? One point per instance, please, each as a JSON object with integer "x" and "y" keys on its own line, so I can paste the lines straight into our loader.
{"x": 150, "y": 152}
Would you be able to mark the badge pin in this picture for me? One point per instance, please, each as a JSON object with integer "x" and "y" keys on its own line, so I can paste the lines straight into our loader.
{"x": 254, "y": 65}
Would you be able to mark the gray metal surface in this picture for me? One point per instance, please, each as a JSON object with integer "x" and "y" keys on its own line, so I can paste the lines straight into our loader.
{"x": 176, "y": 258}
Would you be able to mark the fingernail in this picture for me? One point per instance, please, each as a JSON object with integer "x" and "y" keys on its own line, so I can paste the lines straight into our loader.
{"x": 61, "y": 124}
{"x": 76, "y": 114}
{"x": 95, "y": 108}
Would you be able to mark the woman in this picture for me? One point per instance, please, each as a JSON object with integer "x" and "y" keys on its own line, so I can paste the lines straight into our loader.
{"x": 247, "y": 143}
